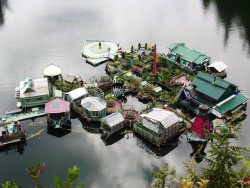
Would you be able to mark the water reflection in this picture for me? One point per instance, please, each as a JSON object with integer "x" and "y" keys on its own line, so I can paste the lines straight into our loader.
{"x": 153, "y": 149}
{"x": 198, "y": 151}
{"x": 3, "y": 6}
{"x": 232, "y": 13}
{"x": 14, "y": 148}
{"x": 109, "y": 140}
{"x": 66, "y": 129}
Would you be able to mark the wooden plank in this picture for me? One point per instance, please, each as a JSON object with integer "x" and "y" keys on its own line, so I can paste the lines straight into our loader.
{"x": 13, "y": 112}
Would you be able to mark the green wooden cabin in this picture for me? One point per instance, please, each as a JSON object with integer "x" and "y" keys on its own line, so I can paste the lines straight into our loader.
{"x": 221, "y": 96}
{"x": 187, "y": 58}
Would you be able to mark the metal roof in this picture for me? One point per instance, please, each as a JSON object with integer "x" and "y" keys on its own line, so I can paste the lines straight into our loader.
{"x": 211, "y": 86}
{"x": 165, "y": 117}
{"x": 69, "y": 78}
{"x": 93, "y": 103}
{"x": 157, "y": 89}
{"x": 218, "y": 65}
{"x": 188, "y": 54}
{"x": 231, "y": 104}
{"x": 52, "y": 70}
{"x": 220, "y": 82}
{"x": 113, "y": 119}
{"x": 77, "y": 93}
{"x": 33, "y": 88}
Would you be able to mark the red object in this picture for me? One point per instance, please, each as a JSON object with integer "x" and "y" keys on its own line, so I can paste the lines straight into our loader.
{"x": 154, "y": 65}
{"x": 246, "y": 179}
{"x": 200, "y": 126}
{"x": 57, "y": 106}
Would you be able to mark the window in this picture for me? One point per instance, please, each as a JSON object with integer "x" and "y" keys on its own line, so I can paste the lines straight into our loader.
{"x": 95, "y": 113}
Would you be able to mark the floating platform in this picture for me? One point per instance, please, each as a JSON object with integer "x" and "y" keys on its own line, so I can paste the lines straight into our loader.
{"x": 97, "y": 52}
{"x": 36, "y": 112}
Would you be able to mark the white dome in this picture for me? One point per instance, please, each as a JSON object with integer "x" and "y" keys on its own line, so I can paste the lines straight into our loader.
{"x": 52, "y": 70}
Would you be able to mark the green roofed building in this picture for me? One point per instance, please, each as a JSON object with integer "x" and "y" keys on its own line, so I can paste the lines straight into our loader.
{"x": 223, "y": 97}
{"x": 32, "y": 92}
{"x": 187, "y": 58}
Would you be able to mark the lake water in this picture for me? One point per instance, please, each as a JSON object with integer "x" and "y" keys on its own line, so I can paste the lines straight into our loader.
{"x": 36, "y": 33}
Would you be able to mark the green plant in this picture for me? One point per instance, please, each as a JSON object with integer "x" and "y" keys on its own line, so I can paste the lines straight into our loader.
{"x": 91, "y": 91}
{"x": 72, "y": 176}
{"x": 164, "y": 177}
{"x": 130, "y": 114}
{"x": 116, "y": 58}
{"x": 9, "y": 184}
{"x": 105, "y": 79}
{"x": 110, "y": 102}
{"x": 224, "y": 157}
{"x": 36, "y": 171}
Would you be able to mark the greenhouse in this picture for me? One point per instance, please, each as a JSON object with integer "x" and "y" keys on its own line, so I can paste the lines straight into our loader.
{"x": 158, "y": 126}
{"x": 112, "y": 123}
{"x": 93, "y": 108}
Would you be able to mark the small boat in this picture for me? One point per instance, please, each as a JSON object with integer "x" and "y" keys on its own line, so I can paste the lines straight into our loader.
{"x": 58, "y": 113}
{"x": 11, "y": 133}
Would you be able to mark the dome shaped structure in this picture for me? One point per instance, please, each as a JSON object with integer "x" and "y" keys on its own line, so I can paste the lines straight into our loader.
{"x": 52, "y": 70}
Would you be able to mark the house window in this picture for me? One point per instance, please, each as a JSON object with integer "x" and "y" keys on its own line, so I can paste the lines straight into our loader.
{"x": 95, "y": 113}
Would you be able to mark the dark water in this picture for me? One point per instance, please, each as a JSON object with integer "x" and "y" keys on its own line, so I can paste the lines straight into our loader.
{"x": 36, "y": 33}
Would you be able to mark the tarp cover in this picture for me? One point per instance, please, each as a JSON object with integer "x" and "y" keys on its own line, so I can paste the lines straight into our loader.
{"x": 113, "y": 119}
{"x": 218, "y": 65}
{"x": 165, "y": 117}
{"x": 93, "y": 103}
{"x": 77, "y": 93}
{"x": 57, "y": 106}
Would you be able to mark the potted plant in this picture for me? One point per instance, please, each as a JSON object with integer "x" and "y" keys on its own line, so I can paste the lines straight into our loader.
{"x": 110, "y": 102}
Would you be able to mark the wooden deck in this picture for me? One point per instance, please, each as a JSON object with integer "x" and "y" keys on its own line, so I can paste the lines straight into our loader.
{"x": 23, "y": 116}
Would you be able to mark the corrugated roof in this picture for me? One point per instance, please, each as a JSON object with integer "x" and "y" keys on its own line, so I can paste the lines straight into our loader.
{"x": 77, "y": 93}
{"x": 208, "y": 88}
{"x": 205, "y": 84}
{"x": 220, "y": 82}
{"x": 231, "y": 104}
{"x": 113, "y": 119}
{"x": 188, "y": 54}
{"x": 167, "y": 118}
{"x": 93, "y": 103}
{"x": 69, "y": 78}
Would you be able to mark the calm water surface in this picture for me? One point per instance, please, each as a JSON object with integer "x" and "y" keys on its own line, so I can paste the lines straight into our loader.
{"x": 36, "y": 33}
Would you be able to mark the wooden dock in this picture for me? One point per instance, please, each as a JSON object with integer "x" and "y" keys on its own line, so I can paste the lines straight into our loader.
{"x": 7, "y": 119}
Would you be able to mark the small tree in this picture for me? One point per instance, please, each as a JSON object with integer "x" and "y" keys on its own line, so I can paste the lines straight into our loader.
{"x": 132, "y": 49}
{"x": 139, "y": 46}
{"x": 164, "y": 177}
{"x": 9, "y": 184}
{"x": 35, "y": 171}
{"x": 223, "y": 159}
{"x": 72, "y": 176}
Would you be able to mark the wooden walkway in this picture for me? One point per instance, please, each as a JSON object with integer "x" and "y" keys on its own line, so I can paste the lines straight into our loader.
{"x": 22, "y": 116}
